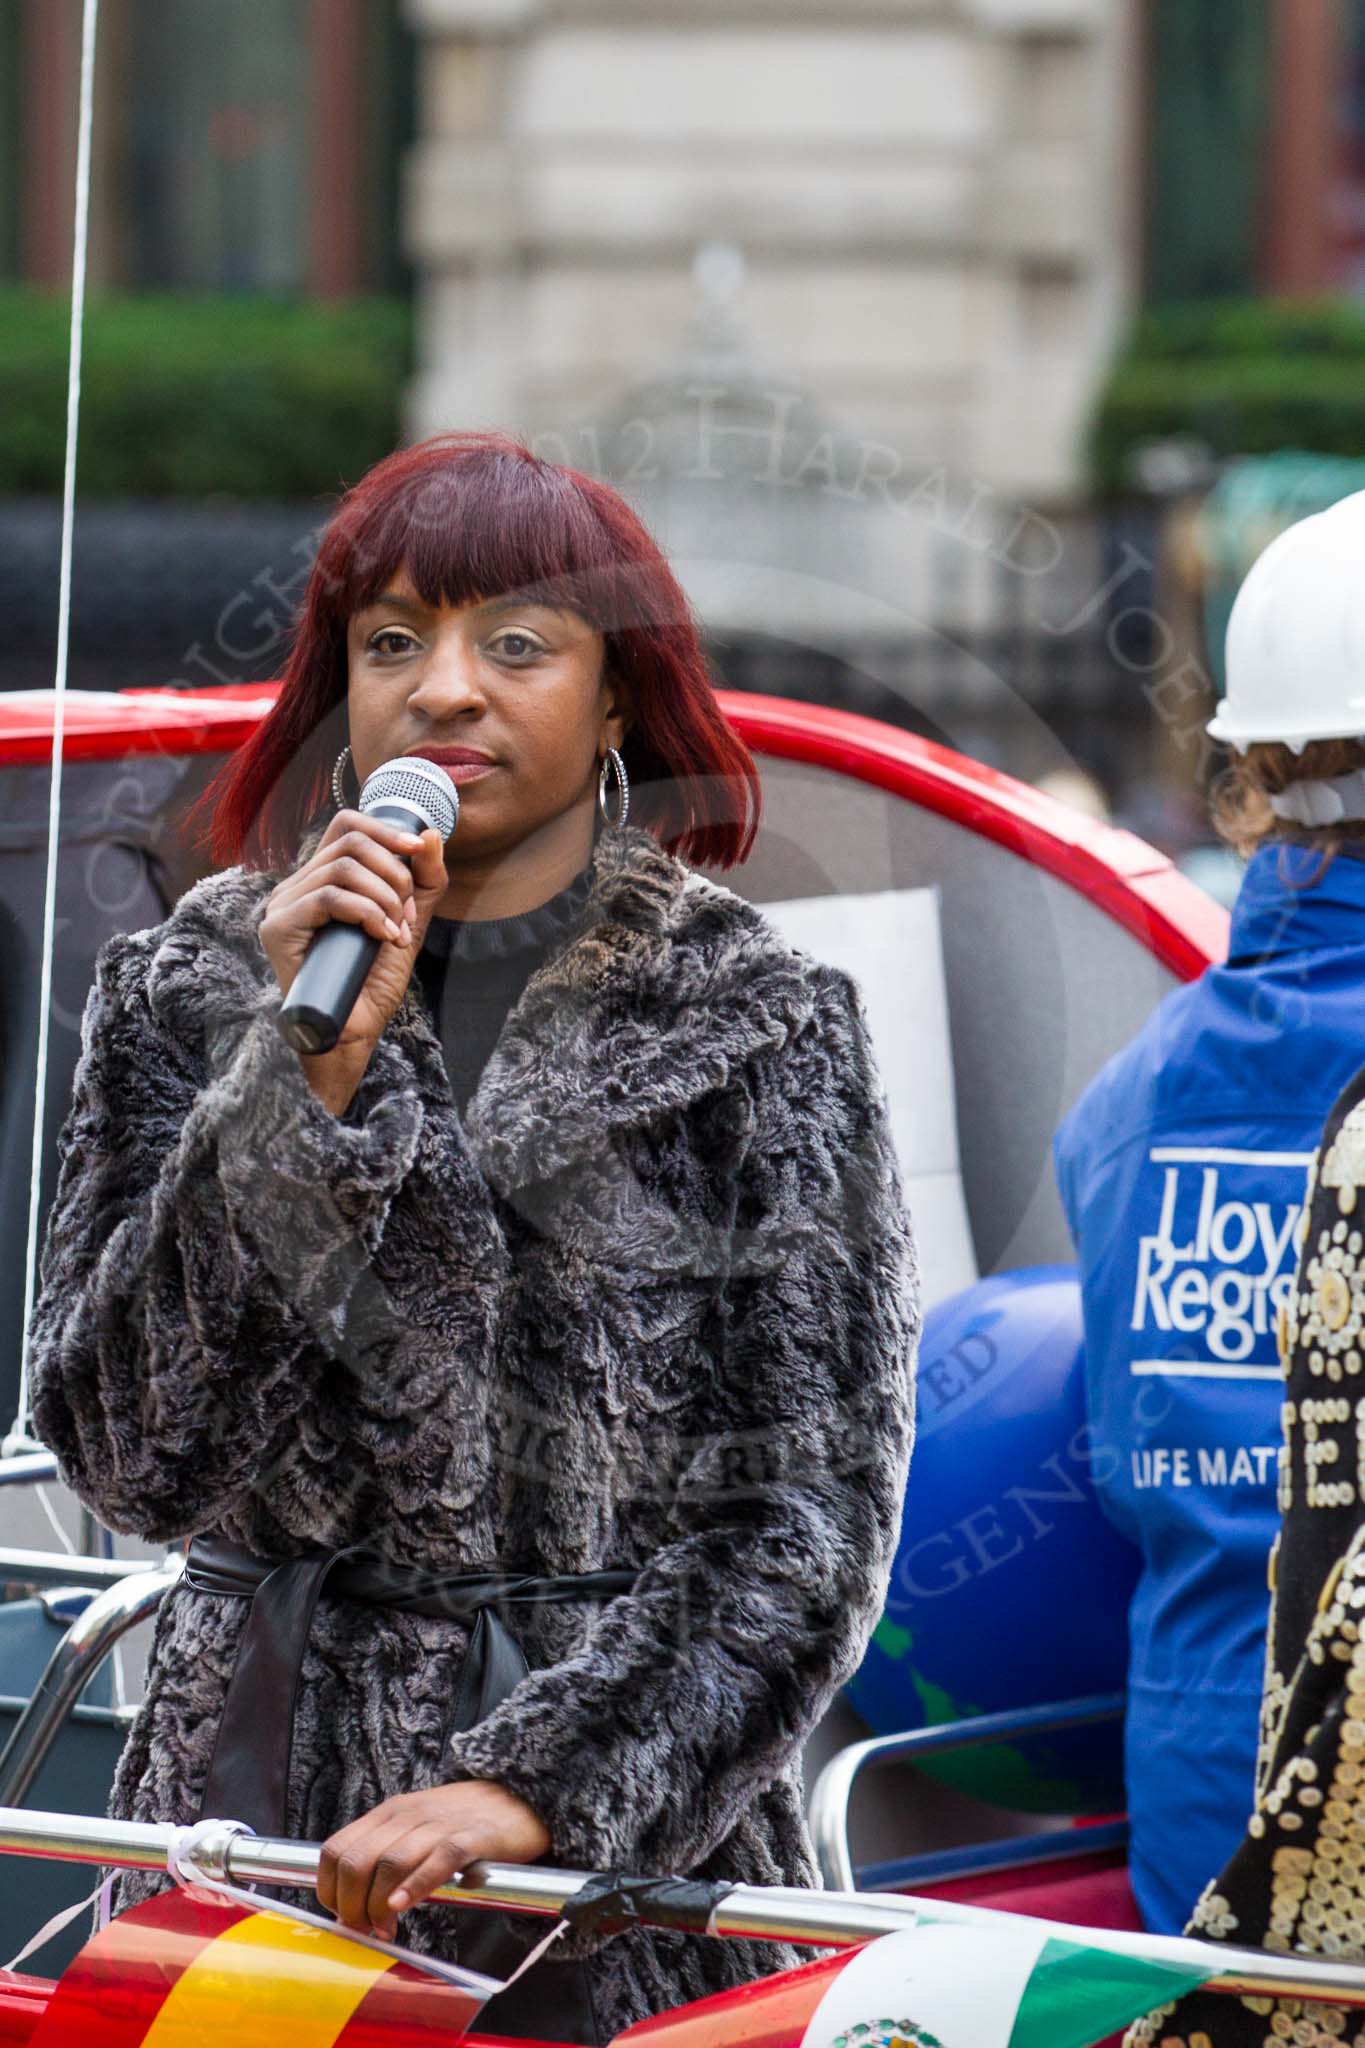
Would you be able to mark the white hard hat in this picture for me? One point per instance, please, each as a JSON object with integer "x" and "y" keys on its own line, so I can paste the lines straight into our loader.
{"x": 1296, "y": 638}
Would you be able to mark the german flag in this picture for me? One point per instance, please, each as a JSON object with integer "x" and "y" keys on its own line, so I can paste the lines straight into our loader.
{"x": 186, "y": 1970}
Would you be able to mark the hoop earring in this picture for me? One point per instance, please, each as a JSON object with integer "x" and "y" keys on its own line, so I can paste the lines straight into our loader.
{"x": 338, "y": 770}
{"x": 622, "y": 784}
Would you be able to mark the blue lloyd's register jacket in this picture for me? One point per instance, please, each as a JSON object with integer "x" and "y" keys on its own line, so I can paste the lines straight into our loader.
{"x": 1181, "y": 1170}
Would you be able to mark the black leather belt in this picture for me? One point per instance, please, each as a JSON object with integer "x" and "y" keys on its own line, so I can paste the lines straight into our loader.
{"x": 248, "y": 1776}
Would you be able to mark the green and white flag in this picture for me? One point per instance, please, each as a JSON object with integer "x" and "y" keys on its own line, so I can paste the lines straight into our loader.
{"x": 994, "y": 1980}
{"x": 1014, "y": 1985}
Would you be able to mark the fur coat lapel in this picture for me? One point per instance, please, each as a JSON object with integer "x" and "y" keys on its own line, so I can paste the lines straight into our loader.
{"x": 668, "y": 983}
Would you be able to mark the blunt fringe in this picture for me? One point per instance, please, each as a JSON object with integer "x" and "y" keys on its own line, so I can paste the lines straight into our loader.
{"x": 475, "y": 515}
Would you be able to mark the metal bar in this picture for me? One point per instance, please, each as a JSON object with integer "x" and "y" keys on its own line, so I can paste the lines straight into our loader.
{"x": 765, "y": 1912}
{"x": 12, "y": 1704}
{"x": 1009, "y": 1727}
{"x": 986, "y": 1859}
{"x": 77, "y": 1656}
{"x": 27, "y": 1468}
{"x": 833, "y": 1790}
{"x": 57, "y": 1568}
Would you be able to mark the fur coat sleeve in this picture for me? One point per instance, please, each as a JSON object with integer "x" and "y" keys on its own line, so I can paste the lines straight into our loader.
{"x": 696, "y": 1687}
{"x": 208, "y": 1225}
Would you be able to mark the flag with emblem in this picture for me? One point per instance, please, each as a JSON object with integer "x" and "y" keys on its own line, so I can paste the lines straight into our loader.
{"x": 1016, "y": 1983}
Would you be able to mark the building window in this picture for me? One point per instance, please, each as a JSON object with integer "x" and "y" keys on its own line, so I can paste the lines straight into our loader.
{"x": 1348, "y": 188}
{"x": 250, "y": 145}
{"x": 11, "y": 133}
{"x": 216, "y": 165}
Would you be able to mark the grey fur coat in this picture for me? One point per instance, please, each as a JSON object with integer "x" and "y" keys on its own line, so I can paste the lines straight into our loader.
{"x": 654, "y": 1301}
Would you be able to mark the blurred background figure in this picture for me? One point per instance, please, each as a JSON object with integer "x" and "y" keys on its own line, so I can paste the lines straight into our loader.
{"x": 1181, "y": 1170}
{"x": 1073, "y": 786}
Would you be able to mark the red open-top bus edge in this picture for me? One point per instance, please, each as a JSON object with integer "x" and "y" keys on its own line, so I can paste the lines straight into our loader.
{"x": 1121, "y": 874}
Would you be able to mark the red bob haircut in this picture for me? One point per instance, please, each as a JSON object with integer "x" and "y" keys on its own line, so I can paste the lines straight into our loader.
{"x": 474, "y": 516}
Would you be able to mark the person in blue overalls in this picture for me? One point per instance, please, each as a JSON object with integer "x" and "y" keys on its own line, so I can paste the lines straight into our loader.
{"x": 1182, "y": 1170}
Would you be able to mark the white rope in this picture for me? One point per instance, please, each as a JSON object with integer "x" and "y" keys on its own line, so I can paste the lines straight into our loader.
{"x": 20, "y": 1437}
{"x": 45, "y": 1503}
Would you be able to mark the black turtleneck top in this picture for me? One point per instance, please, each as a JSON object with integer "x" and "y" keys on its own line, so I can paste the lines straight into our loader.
{"x": 472, "y": 970}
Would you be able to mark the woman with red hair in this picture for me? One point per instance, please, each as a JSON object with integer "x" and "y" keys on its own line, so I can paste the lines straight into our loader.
{"x": 532, "y": 1371}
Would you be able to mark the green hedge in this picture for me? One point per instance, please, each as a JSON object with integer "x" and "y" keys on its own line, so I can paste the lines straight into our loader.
{"x": 1245, "y": 376}
{"x": 197, "y": 394}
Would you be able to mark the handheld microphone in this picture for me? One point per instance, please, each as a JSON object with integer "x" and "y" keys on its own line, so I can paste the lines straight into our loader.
{"x": 411, "y": 793}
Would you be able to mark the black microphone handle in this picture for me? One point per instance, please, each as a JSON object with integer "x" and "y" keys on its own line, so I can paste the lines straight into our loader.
{"x": 323, "y": 993}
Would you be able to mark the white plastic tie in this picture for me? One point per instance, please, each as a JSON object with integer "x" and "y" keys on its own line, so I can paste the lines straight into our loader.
{"x": 63, "y": 1919}
{"x": 1326, "y": 802}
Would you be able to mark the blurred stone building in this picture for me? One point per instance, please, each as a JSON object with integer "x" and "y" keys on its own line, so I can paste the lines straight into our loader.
{"x": 947, "y": 208}
{"x": 936, "y": 203}
{"x": 936, "y": 199}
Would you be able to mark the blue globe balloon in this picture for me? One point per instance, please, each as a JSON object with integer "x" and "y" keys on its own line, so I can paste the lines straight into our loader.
{"x": 1010, "y": 1588}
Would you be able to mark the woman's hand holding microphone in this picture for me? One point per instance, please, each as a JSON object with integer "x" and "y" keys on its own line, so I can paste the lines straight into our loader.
{"x": 357, "y": 875}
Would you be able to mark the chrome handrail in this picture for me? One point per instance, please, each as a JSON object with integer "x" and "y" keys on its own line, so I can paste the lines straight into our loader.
{"x": 758, "y": 1912}
{"x": 832, "y": 1794}
{"x": 27, "y": 1468}
{"x": 130, "y": 1599}
{"x": 60, "y": 1568}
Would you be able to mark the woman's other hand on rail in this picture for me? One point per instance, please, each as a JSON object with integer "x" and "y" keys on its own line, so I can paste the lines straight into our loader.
{"x": 397, "y": 1854}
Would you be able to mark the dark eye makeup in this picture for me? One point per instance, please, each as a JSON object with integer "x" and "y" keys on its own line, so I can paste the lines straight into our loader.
{"x": 530, "y": 645}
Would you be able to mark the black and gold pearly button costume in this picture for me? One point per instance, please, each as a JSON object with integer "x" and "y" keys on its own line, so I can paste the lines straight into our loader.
{"x": 1297, "y": 1880}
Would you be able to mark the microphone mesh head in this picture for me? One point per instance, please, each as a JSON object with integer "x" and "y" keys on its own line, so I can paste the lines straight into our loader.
{"x": 410, "y": 779}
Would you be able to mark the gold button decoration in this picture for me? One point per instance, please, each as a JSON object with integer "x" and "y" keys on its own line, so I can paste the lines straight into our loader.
{"x": 1334, "y": 1298}
{"x": 1329, "y": 1585}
